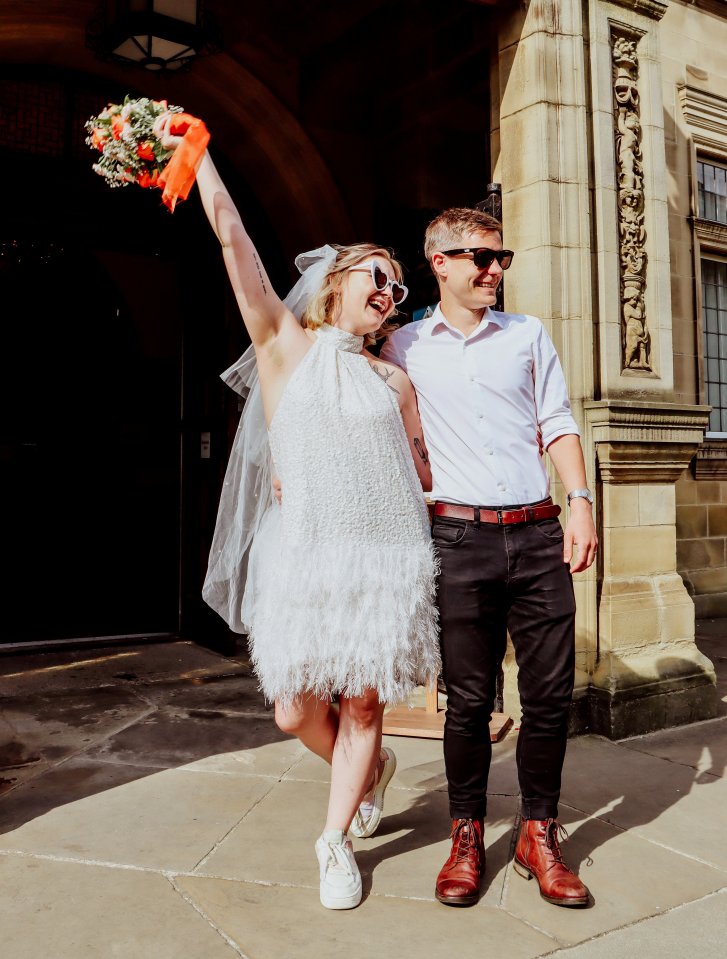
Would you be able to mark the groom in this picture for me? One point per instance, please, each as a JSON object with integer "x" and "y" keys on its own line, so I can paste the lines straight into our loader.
{"x": 491, "y": 397}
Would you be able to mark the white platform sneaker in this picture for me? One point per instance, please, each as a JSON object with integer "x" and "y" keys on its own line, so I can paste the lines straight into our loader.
{"x": 340, "y": 878}
{"x": 368, "y": 815}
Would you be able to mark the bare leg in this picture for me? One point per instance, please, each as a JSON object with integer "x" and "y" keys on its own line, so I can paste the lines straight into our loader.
{"x": 356, "y": 751}
{"x": 313, "y": 721}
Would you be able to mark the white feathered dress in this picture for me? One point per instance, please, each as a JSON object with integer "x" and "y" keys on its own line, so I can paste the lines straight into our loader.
{"x": 340, "y": 585}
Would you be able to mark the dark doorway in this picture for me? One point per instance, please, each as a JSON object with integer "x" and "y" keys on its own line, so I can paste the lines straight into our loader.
{"x": 90, "y": 375}
{"x": 102, "y": 402}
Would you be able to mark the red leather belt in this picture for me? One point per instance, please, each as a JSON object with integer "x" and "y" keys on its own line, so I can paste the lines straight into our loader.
{"x": 525, "y": 514}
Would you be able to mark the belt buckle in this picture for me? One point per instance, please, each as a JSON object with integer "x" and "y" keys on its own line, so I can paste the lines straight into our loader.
{"x": 500, "y": 520}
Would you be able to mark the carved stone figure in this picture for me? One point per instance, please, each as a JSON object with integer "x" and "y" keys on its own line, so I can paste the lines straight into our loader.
{"x": 636, "y": 335}
{"x": 636, "y": 341}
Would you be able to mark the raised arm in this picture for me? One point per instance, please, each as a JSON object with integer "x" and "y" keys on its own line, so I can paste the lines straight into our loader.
{"x": 261, "y": 308}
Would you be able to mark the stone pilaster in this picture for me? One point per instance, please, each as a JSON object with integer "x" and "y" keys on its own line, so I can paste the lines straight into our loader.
{"x": 578, "y": 142}
{"x": 540, "y": 151}
{"x": 648, "y": 673}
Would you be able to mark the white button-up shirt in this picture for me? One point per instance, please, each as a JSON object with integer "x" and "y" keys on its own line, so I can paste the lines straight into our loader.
{"x": 483, "y": 400}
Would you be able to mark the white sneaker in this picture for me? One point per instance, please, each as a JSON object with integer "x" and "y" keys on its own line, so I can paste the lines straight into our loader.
{"x": 340, "y": 878}
{"x": 368, "y": 815}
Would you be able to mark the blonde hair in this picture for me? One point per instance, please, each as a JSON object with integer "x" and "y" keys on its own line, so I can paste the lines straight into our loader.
{"x": 445, "y": 231}
{"x": 326, "y": 304}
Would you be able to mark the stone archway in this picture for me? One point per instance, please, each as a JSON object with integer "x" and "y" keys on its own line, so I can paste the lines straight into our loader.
{"x": 255, "y": 131}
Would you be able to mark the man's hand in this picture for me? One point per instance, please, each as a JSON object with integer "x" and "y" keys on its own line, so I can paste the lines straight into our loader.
{"x": 580, "y": 534}
{"x": 277, "y": 490}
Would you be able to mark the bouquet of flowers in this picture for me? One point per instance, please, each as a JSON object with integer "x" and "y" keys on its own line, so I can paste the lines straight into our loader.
{"x": 129, "y": 137}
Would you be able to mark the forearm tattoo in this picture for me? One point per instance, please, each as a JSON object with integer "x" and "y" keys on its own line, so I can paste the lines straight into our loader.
{"x": 385, "y": 376}
{"x": 419, "y": 447}
{"x": 260, "y": 273}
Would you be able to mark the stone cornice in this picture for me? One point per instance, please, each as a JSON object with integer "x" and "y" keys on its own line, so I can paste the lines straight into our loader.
{"x": 711, "y": 234}
{"x": 706, "y": 114}
{"x": 638, "y": 442}
{"x": 618, "y": 419}
{"x": 711, "y": 460}
{"x": 719, "y": 7}
{"x": 649, "y": 8}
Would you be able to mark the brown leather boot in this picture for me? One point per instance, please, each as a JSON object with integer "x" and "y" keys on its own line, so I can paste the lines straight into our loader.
{"x": 458, "y": 883}
{"x": 538, "y": 856}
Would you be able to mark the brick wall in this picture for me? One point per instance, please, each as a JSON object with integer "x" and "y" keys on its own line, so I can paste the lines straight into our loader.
{"x": 702, "y": 542}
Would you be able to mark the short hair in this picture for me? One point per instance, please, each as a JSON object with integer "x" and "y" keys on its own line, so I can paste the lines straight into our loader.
{"x": 325, "y": 304}
{"x": 446, "y": 230}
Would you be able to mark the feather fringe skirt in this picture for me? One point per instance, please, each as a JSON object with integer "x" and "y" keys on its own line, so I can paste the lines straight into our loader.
{"x": 340, "y": 618}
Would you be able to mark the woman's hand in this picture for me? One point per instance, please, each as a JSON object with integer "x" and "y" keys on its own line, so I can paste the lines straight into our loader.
{"x": 161, "y": 132}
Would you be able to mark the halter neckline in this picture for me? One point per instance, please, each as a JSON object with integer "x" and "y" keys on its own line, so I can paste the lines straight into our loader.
{"x": 341, "y": 339}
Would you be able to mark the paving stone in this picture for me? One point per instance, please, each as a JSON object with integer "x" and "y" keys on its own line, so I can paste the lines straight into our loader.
{"x": 701, "y": 925}
{"x": 203, "y": 739}
{"x": 91, "y": 668}
{"x": 57, "y": 724}
{"x": 271, "y": 922}
{"x": 667, "y": 802}
{"x": 162, "y": 819}
{"x": 402, "y": 859}
{"x": 629, "y": 879}
{"x": 70, "y": 911}
{"x": 703, "y": 746}
{"x": 420, "y": 765}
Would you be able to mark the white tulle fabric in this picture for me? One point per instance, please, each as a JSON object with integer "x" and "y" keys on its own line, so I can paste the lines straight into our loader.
{"x": 340, "y": 585}
{"x": 246, "y": 491}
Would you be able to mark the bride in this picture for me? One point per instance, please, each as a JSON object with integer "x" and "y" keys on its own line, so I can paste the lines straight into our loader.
{"x": 339, "y": 580}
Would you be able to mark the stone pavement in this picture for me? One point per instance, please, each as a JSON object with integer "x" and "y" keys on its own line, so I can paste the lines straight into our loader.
{"x": 165, "y": 816}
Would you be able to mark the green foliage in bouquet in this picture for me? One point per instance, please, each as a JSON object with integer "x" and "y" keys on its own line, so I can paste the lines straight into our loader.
{"x": 124, "y": 135}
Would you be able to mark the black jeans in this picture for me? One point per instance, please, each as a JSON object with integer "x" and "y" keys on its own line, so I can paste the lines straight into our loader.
{"x": 495, "y": 579}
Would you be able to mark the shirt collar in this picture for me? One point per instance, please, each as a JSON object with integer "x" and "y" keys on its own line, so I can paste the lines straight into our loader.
{"x": 437, "y": 323}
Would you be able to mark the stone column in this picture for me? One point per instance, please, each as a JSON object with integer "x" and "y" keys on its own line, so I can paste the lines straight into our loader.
{"x": 578, "y": 144}
{"x": 648, "y": 674}
{"x": 540, "y": 153}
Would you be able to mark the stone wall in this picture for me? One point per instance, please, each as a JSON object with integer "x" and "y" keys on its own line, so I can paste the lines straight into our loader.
{"x": 694, "y": 65}
{"x": 579, "y": 144}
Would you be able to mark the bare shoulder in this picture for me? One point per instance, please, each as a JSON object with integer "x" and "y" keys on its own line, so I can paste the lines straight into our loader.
{"x": 393, "y": 375}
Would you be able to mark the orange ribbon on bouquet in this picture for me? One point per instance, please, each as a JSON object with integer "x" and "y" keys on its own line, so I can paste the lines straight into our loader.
{"x": 178, "y": 175}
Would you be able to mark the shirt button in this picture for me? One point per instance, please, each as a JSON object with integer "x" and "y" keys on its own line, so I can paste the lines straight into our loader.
{"x": 501, "y": 487}
{"x": 481, "y": 416}
{"x": 489, "y": 452}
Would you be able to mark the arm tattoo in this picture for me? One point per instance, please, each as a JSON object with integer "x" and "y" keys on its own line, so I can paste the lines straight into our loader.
{"x": 260, "y": 273}
{"x": 385, "y": 376}
{"x": 419, "y": 446}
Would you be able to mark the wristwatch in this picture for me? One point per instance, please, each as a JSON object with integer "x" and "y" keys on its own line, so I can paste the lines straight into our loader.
{"x": 580, "y": 494}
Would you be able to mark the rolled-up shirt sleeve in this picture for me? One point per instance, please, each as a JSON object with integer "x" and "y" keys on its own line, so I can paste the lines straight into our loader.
{"x": 551, "y": 395}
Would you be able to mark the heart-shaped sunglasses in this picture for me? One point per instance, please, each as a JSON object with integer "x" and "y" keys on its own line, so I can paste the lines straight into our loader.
{"x": 382, "y": 280}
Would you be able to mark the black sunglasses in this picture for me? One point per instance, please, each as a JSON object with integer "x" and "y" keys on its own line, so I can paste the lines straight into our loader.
{"x": 482, "y": 256}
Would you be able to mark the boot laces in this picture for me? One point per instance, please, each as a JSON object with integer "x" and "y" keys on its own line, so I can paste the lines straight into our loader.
{"x": 465, "y": 832}
{"x": 553, "y": 832}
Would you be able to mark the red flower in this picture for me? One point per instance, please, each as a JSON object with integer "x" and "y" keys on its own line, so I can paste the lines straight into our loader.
{"x": 146, "y": 179}
{"x": 117, "y": 125}
{"x": 145, "y": 150}
{"x": 99, "y": 138}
